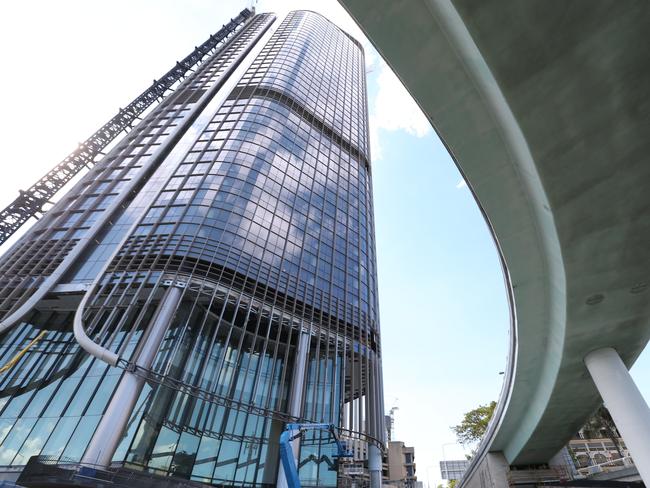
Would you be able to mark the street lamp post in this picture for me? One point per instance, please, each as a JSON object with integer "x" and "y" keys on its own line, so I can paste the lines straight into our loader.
{"x": 429, "y": 477}
{"x": 444, "y": 455}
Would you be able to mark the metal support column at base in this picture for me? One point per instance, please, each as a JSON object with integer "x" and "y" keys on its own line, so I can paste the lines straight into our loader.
{"x": 297, "y": 389}
{"x": 625, "y": 403}
{"x": 374, "y": 466}
{"x": 109, "y": 432}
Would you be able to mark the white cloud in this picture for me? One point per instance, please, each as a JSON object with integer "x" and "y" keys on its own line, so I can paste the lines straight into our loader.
{"x": 461, "y": 184}
{"x": 375, "y": 146}
{"x": 394, "y": 109}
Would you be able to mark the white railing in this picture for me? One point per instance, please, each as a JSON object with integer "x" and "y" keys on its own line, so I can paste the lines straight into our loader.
{"x": 612, "y": 465}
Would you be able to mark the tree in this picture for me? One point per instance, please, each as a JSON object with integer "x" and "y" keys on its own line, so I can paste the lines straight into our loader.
{"x": 474, "y": 425}
{"x": 450, "y": 484}
{"x": 601, "y": 424}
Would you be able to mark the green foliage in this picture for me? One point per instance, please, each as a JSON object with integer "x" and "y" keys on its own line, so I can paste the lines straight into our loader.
{"x": 601, "y": 424}
{"x": 450, "y": 484}
{"x": 474, "y": 425}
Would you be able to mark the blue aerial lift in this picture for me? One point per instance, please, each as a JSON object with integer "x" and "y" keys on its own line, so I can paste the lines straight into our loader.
{"x": 294, "y": 431}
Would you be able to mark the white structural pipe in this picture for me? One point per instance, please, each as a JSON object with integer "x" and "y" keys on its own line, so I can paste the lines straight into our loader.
{"x": 299, "y": 373}
{"x": 79, "y": 329}
{"x": 297, "y": 394}
{"x": 374, "y": 465}
{"x": 111, "y": 428}
{"x": 625, "y": 403}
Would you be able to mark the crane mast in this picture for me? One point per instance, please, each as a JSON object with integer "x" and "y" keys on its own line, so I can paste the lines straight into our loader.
{"x": 30, "y": 202}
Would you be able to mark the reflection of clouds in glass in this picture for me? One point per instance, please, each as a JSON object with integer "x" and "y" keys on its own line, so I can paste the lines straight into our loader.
{"x": 7, "y": 455}
{"x": 14, "y": 439}
{"x": 36, "y": 440}
{"x": 5, "y": 430}
{"x": 287, "y": 187}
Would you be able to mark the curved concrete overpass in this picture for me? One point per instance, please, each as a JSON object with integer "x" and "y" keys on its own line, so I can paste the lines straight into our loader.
{"x": 545, "y": 107}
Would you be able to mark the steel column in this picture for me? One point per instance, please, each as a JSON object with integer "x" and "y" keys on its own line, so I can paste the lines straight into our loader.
{"x": 374, "y": 465}
{"x": 625, "y": 403}
{"x": 297, "y": 394}
{"x": 111, "y": 428}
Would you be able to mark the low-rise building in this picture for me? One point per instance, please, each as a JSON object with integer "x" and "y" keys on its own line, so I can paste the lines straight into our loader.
{"x": 401, "y": 466}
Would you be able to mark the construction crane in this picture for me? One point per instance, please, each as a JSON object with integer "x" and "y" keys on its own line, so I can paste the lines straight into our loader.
{"x": 294, "y": 431}
{"x": 391, "y": 416}
{"x": 30, "y": 202}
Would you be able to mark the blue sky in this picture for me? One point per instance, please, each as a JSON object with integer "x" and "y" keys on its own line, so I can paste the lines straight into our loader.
{"x": 443, "y": 311}
{"x": 444, "y": 317}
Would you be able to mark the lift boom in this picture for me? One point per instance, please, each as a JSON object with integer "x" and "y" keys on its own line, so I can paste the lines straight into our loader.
{"x": 286, "y": 451}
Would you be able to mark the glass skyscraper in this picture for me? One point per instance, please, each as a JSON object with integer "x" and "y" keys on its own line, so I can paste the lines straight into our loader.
{"x": 210, "y": 279}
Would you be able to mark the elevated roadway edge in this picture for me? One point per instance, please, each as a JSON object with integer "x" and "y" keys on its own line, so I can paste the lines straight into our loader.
{"x": 545, "y": 108}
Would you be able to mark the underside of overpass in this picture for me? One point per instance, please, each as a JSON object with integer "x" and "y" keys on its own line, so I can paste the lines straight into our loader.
{"x": 545, "y": 107}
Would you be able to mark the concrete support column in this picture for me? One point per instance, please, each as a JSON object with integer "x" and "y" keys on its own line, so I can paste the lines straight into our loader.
{"x": 109, "y": 432}
{"x": 491, "y": 471}
{"x": 625, "y": 403}
{"x": 296, "y": 396}
{"x": 374, "y": 466}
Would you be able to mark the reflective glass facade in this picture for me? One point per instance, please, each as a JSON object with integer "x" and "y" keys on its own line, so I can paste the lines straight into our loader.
{"x": 256, "y": 202}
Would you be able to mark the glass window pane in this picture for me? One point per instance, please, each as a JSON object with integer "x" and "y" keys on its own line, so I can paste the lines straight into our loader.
{"x": 35, "y": 441}
{"x": 185, "y": 456}
{"x": 82, "y": 396}
{"x": 41, "y": 399}
{"x": 228, "y": 456}
{"x": 61, "y": 398}
{"x": 5, "y": 427}
{"x": 163, "y": 451}
{"x": 205, "y": 459}
{"x": 60, "y": 437}
{"x": 16, "y": 405}
{"x": 102, "y": 395}
{"x": 81, "y": 438}
{"x": 14, "y": 440}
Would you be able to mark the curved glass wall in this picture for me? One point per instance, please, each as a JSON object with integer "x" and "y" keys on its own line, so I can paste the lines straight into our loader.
{"x": 265, "y": 221}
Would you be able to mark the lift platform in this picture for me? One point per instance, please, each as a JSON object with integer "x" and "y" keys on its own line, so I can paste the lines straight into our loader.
{"x": 295, "y": 431}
